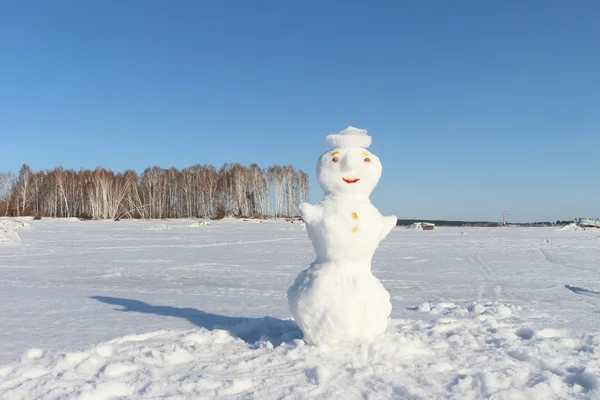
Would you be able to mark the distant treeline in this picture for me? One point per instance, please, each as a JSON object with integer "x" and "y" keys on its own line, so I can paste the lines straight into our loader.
{"x": 541, "y": 224}
{"x": 199, "y": 191}
{"x": 407, "y": 222}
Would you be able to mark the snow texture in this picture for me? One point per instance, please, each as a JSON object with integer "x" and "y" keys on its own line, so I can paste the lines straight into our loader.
{"x": 338, "y": 300}
{"x": 349, "y": 137}
{"x": 101, "y": 309}
{"x": 13, "y": 225}
{"x": 9, "y": 228}
{"x": 200, "y": 224}
{"x": 571, "y": 227}
{"x": 158, "y": 227}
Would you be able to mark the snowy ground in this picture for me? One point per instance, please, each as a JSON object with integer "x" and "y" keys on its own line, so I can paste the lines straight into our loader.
{"x": 172, "y": 309}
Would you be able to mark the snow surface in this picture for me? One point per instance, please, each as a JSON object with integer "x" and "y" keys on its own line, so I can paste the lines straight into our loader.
{"x": 200, "y": 224}
{"x": 102, "y": 308}
{"x": 158, "y": 227}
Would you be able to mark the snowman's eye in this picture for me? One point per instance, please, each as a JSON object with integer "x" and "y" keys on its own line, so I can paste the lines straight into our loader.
{"x": 367, "y": 159}
{"x": 335, "y": 159}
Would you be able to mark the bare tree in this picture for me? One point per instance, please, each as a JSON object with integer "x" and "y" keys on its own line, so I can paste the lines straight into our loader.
{"x": 211, "y": 185}
{"x": 198, "y": 191}
{"x": 303, "y": 187}
{"x": 186, "y": 188}
{"x": 258, "y": 187}
{"x": 7, "y": 184}
{"x": 277, "y": 183}
{"x": 239, "y": 179}
{"x": 23, "y": 188}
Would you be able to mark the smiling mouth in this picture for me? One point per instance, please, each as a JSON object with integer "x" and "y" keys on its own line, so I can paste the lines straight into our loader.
{"x": 350, "y": 180}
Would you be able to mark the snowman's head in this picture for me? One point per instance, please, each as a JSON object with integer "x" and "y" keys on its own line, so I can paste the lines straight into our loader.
{"x": 349, "y": 168}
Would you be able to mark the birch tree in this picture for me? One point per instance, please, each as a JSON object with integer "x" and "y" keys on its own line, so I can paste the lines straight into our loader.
{"x": 7, "y": 183}
{"x": 198, "y": 191}
{"x": 23, "y": 188}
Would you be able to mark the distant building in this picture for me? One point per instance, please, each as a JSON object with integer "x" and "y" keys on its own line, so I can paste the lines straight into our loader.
{"x": 428, "y": 226}
{"x": 422, "y": 226}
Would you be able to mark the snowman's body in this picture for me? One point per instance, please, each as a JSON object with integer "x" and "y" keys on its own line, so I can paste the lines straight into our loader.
{"x": 345, "y": 229}
{"x": 338, "y": 300}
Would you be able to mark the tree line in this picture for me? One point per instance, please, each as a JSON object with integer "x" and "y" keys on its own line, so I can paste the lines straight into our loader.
{"x": 200, "y": 191}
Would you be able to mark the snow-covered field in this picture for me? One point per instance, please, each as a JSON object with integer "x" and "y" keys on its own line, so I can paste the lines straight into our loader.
{"x": 174, "y": 309}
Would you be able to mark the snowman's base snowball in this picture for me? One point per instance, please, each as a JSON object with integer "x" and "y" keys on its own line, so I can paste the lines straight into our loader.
{"x": 335, "y": 306}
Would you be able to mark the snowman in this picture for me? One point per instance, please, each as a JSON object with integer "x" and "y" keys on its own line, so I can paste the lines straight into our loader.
{"x": 337, "y": 300}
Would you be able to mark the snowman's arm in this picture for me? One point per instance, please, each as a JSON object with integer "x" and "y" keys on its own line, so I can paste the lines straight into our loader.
{"x": 310, "y": 214}
{"x": 389, "y": 223}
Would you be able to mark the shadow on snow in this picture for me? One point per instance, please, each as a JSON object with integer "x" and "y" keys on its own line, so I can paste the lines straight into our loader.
{"x": 250, "y": 330}
{"x": 584, "y": 291}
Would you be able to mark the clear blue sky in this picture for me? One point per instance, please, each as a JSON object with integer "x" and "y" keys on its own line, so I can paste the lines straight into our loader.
{"x": 473, "y": 106}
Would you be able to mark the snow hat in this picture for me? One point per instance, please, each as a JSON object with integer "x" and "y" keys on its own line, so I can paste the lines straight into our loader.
{"x": 349, "y": 137}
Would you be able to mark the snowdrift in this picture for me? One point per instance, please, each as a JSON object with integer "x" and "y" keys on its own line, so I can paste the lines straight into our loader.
{"x": 158, "y": 227}
{"x": 301, "y": 226}
{"x": 9, "y": 237}
{"x": 571, "y": 227}
{"x": 467, "y": 352}
{"x": 9, "y": 228}
{"x": 200, "y": 224}
{"x": 13, "y": 225}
